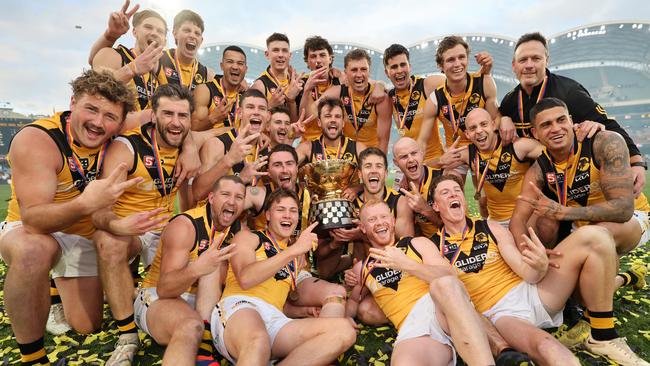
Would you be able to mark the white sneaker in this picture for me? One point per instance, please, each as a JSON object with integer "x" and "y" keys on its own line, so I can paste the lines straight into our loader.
{"x": 56, "y": 323}
{"x": 616, "y": 350}
{"x": 125, "y": 349}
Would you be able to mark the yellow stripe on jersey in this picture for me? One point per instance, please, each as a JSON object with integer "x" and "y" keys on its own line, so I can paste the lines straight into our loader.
{"x": 202, "y": 222}
{"x": 641, "y": 203}
{"x": 394, "y": 291}
{"x": 472, "y": 98}
{"x": 273, "y": 290}
{"x": 415, "y": 102}
{"x": 366, "y": 117}
{"x": 426, "y": 227}
{"x": 148, "y": 194}
{"x": 581, "y": 192}
{"x": 476, "y": 258}
{"x": 503, "y": 179}
{"x": 66, "y": 188}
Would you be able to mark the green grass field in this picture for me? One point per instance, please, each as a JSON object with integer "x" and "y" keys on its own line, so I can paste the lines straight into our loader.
{"x": 373, "y": 346}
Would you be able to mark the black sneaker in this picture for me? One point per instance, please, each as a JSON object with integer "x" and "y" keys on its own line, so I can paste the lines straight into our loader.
{"x": 510, "y": 357}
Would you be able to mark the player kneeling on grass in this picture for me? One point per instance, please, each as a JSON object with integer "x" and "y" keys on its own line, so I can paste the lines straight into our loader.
{"x": 425, "y": 300}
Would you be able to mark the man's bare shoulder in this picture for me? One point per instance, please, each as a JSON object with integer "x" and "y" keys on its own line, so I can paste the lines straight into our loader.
{"x": 34, "y": 146}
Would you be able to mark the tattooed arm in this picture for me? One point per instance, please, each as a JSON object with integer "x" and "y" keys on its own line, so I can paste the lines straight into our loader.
{"x": 616, "y": 182}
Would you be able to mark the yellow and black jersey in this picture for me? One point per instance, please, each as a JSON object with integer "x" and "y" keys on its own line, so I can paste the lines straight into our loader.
{"x": 503, "y": 178}
{"x": 641, "y": 203}
{"x": 475, "y": 256}
{"x": 582, "y": 172}
{"x": 517, "y": 104}
{"x": 347, "y": 150}
{"x": 80, "y": 166}
{"x": 173, "y": 72}
{"x": 257, "y": 218}
{"x": 395, "y": 292}
{"x": 312, "y": 131}
{"x": 423, "y": 226}
{"x": 216, "y": 88}
{"x": 275, "y": 289}
{"x": 452, "y": 111}
{"x": 361, "y": 117}
{"x": 143, "y": 85}
{"x": 390, "y": 196}
{"x": 204, "y": 238}
{"x": 155, "y": 190}
{"x": 271, "y": 83}
{"x": 408, "y": 109}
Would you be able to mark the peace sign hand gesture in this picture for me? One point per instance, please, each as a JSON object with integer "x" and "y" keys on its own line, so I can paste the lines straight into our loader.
{"x": 416, "y": 201}
{"x": 542, "y": 205}
{"x": 118, "y": 22}
{"x": 295, "y": 85}
{"x": 298, "y": 127}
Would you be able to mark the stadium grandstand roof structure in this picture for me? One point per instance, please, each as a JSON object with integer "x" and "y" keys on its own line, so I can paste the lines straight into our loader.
{"x": 611, "y": 59}
{"x": 211, "y": 54}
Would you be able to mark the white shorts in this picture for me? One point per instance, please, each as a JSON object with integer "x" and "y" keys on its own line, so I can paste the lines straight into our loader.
{"x": 273, "y": 319}
{"x": 78, "y": 254}
{"x": 303, "y": 275}
{"x": 504, "y": 223}
{"x": 422, "y": 321}
{"x": 523, "y": 302}
{"x": 146, "y": 297}
{"x": 148, "y": 246}
{"x": 642, "y": 218}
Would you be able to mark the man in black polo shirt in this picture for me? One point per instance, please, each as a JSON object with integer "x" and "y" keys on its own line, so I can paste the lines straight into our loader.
{"x": 536, "y": 82}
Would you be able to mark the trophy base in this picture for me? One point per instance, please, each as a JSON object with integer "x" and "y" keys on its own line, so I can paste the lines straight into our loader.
{"x": 332, "y": 214}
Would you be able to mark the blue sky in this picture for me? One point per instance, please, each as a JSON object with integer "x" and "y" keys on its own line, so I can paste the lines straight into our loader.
{"x": 43, "y": 50}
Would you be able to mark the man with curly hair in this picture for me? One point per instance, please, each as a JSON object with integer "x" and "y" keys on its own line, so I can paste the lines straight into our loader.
{"x": 54, "y": 163}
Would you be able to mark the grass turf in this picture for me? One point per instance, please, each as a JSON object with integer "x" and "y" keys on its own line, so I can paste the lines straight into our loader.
{"x": 373, "y": 346}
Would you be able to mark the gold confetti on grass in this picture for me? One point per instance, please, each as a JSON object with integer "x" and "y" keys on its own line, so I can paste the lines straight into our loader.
{"x": 374, "y": 344}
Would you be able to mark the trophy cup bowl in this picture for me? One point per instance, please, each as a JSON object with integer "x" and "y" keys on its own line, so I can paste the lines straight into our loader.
{"x": 326, "y": 181}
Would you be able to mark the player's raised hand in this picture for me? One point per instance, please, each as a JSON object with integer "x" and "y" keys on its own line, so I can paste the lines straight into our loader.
{"x": 278, "y": 97}
{"x": 485, "y": 60}
{"x": 453, "y": 156}
{"x": 102, "y": 193}
{"x": 307, "y": 241}
{"x": 118, "y": 21}
{"x": 253, "y": 170}
{"x": 147, "y": 60}
{"x": 416, "y": 202}
{"x": 221, "y": 110}
{"x": 542, "y": 205}
{"x": 139, "y": 223}
{"x": 295, "y": 85}
{"x": 213, "y": 258}
{"x": 299, "y": 126}
{"x": 391, "y": 257}
{"x": 316, "y": 77}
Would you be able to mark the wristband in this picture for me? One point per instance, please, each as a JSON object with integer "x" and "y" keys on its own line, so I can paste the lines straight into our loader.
{"x": 640, "y": 163}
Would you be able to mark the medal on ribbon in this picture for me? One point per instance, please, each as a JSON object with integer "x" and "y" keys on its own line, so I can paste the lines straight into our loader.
{"x": 520, "y": 105}
{"x": 445, "y": 247}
